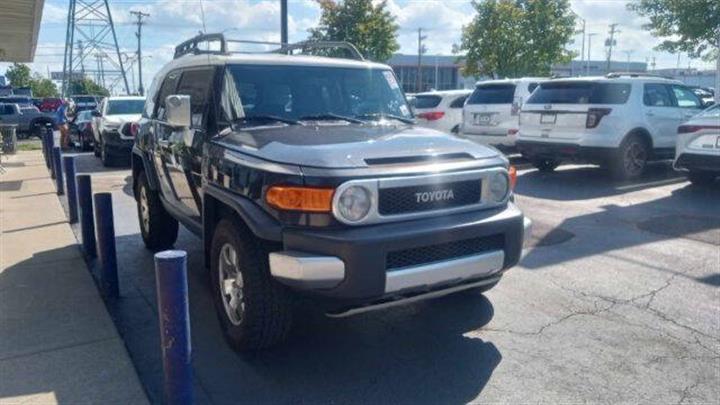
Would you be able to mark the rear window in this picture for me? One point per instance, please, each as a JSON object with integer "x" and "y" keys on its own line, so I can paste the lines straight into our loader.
{"x": 120, "y": 107}
{"x": 427, "y": 101}
{"x": 493, "y": 94}
{"x": 84, "y": 99}
{"x": 580, "y": 93}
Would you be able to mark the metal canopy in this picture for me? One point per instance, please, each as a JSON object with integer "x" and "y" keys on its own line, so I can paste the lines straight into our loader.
{"x": 19, "y": 28}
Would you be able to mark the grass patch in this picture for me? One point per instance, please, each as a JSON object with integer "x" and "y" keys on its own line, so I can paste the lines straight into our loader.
{"x": 29, "y": 145}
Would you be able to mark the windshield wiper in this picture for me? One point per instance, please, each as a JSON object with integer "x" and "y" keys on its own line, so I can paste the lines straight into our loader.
{"x": 379, "y": 116}
{"x": 331, "y": 116}
{"x": 267, "y": 117}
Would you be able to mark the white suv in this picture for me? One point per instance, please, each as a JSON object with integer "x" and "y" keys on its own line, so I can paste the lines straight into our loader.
{"x": 698, "y": 147}
{"x": 617, "y": 121}
{"x": 490, "y": 115}
{"x": 441, "y": 110}
{"x": 111, "y": 113}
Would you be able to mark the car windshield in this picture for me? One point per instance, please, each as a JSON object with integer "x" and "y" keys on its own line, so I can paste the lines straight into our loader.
{"x": 580, "y": 93}
{"x": 118, "y": 107}
{"x": 300, "y": 92}
{"x": 427, "y": 101}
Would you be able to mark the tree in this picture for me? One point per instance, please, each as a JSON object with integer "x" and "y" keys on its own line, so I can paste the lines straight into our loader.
{"x": 513, "y": 38}
{"x": 371, "y": 28}
{"x": 688, "y": 26}
{"x": 42, "y": 87}
{"x": 87, "y": 86}
{"x": 19, "y": 75}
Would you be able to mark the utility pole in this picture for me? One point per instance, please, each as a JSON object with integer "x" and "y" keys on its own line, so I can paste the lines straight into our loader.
{"x": 140, "y": 15}
{"x": 421, "y": 50}
{"x": 582, "y": 51}
{"x": 587, "y": 65}
{"x": 283, "y": 21}
{"x": 717, "y": 71}
{"x": 610, "y": 43}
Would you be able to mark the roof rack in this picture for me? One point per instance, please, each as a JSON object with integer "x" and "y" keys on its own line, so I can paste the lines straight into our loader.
{"x": 614, "y": 75}
{"x": 192, "y": 46}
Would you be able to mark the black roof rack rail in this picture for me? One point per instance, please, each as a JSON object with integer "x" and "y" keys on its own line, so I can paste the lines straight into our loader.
{"x": 191, "y": 46}
{"x": 613, "y": 75}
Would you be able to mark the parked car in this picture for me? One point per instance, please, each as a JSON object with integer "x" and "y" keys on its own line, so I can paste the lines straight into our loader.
{"x": 85, "y": 102}
{"x": 697, "y": 150}
{"x": 619, "y": 122}
{"x": 306, "y": 175}
{"x": 29, "y": 120}
{"x": 490, "y": 114}
{"x": 19, "y": 100}
{"x": 50, "y": 104}
{"x": 109, "y": 144}
{"x": 441, "y": 110}
{"x": 706, "y": 95}
{"x": 81, "y": 132}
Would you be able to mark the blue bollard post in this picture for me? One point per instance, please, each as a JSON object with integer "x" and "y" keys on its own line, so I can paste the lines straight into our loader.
{"x": 45, "y": 148}
{"x": 106, "y": 244}
{"x": 51, "y": 160}
{"x": 174, "y": 316}
{"x": 69, "y": 163}
{"x": 57, "y": 163}
{"x": 87, "y": 218}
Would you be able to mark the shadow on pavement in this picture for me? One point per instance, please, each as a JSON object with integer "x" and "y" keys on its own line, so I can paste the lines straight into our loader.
{"x": 588, "y": 182}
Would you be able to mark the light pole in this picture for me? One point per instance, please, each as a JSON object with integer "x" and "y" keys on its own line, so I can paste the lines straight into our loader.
{"x": 140, "y": 15}
{"x": 628, "y": 53}
{"x": 587, "y": 64}
{"x": 283, "y": 21}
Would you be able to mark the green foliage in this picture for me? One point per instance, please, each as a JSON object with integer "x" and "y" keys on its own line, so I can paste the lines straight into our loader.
{"x": 513, "y": 38}
{"x": 19, "y": 75}
{"x": 371, "y": 28}
{"x": 690, "y": 26}
{"x": 87, "y": 86}
{"x": 42, "y": 87}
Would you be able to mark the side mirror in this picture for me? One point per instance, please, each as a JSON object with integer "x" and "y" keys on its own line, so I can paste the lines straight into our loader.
{"x": 177, "y": 111}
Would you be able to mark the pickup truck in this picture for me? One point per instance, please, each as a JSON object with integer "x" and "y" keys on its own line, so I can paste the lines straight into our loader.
{"x": 29, "y": 120}
{"x": 307, "y": 176}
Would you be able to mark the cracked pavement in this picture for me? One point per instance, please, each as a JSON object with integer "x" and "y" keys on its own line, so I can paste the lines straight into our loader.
{"x": 614, "y": 314}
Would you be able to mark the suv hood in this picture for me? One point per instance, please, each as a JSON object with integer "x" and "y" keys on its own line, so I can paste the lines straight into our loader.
{"x": 349, "y": 146}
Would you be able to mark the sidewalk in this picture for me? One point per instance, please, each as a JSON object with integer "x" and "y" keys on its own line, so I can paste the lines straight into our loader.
{"x": 57, "y": 341}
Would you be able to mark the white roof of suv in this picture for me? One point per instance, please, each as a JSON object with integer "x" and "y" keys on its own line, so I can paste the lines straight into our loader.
{"x": 268, "y": 59}
{"x": 631, "y": 78}
{"x": 513, "y": 81}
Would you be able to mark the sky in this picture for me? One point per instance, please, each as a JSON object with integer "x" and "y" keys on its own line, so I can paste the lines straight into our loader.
{"x": 172, "y": 21}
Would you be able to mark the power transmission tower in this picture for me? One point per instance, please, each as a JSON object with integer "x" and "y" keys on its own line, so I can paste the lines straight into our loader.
{"x": 421, "y": 51}
{"x": 90, "y": 28}
{"x": 610, "y": 43}
{"x": 140, "y": 15}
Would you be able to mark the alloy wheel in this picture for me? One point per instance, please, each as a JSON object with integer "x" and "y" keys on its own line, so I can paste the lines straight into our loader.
{"x": 144, "y": 210}
{"x": 635, "y": 158}
{"x": 231, "y": 284}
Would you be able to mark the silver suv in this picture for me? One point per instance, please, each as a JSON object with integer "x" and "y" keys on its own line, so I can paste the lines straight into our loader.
{"x": 618, "y": 121}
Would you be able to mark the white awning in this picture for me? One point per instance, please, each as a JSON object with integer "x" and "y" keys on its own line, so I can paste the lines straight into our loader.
{"x": 19, "y": 28}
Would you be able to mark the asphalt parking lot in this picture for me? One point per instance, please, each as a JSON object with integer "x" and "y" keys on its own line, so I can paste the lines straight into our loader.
{"x": 617, "y": 300}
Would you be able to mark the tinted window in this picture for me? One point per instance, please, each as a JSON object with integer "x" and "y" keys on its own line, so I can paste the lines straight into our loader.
{"x": 6, "y": 109}
{"x": 532, "y": 87}
{"x": 459, "y": 102}
{"x": 196, "y": 84}
{"x": 427, "y": 101}
{"x": 119, "y": 107}
{"x": 167, "y": 89}
{"x": 17, "y": 100}
{"x": 656, "y": 95}
{"x": 300, "y": 91}
{"x": 85, "y": 99}
{"x": 686, "y": 98}
{"x": 580, "y": 93}
{"x": 493, "y": 94}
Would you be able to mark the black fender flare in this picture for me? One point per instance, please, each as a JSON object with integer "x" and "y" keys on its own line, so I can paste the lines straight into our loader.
{"x": 259, "y": 222}
{"x": 140, "y": 158}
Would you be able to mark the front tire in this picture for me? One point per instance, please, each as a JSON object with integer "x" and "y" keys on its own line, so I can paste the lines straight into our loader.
{"x": 630, "y": 159}
{"x": 701, "y": 178}
{"x": 105, "y": 156}
{"x": 254, "y": 310}
{"x": 158, "y": 228}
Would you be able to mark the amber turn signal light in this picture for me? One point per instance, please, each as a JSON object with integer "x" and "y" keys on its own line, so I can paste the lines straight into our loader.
{"x": 512, "y": 172}
{"x": 292, "y": 198}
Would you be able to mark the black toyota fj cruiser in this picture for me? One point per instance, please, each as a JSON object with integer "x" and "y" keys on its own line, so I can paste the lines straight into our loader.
{"x": 306, "y": 175}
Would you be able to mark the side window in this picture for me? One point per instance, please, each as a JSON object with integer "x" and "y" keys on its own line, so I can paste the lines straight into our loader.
{"x": 685, "y": 97}
{"x": 168, "y": 88}
{"x": 532, "y": 86}
{"x": 6, "y": 110}
{"x": 459, "y": 102}
{"x": 656, "y": 95}
{"x": 197, "y": 84}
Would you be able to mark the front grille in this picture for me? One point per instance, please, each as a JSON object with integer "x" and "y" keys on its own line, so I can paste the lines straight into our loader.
{"x": 401, "y": 200}
{"x": 400, "y": 259}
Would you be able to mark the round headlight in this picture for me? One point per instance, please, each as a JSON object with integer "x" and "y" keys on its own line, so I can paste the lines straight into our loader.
{"x": 499, "y": 186}
{"x": 354, "y": 203}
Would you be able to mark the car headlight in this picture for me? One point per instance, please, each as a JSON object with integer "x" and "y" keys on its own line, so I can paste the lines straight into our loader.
{"x": 499, "y": 187}
{"x": 353, "y": 204}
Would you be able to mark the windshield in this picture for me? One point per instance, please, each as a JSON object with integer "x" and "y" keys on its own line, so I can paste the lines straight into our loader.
{"x": 580, "y": 93}
{"x": 295, "y": 92}
{"x": 427, "y": 101}
{"x": 492, "y": 94}
{"x": 118, "y": 107}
